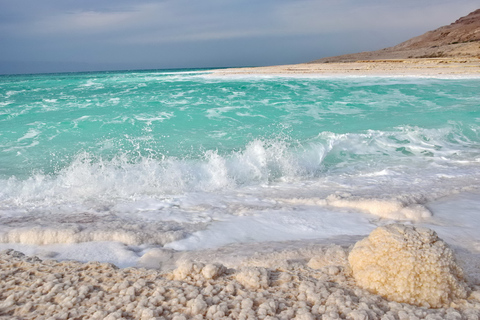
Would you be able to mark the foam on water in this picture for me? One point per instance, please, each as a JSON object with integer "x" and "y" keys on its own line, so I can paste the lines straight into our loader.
{"x": 276, "y": 225}
{"x": 407, "y": 152}
{"x": 186, "y": 161}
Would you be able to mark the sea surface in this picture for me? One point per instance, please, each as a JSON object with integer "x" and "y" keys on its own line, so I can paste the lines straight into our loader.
{"x": 109, "y": 165}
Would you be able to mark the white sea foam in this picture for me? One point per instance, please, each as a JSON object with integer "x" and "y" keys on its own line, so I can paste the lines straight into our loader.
{"x": 92, "y": 83}
{"x": 276, "y": 225}
{"x": 32, "y": 133}
{"x": 406, "y": 154}
{"x": 10, "y": 93}
{"x": 161, "y": 116}
{"x": 271, "y": 190}
{"x": 5, "y": 103}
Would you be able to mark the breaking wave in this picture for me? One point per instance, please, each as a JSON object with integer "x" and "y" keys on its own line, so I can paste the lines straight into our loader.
{"x": 261, "y": 162}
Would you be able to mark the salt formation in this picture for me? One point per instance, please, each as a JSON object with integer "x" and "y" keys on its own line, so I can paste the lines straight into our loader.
{"x": 402, "y": 208}
{"x": 120, "y": 231}
{"x": 35, "y": 289}
{"x": 408, "y": 264}
{"x": 253, "y": 277}
{"x": 332, "y": 256}
{"x": 196, "y": 270}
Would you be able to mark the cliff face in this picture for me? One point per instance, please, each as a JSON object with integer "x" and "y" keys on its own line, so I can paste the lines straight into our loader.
{"x": 463, "y": 30}
{"x": 461, "y": 39}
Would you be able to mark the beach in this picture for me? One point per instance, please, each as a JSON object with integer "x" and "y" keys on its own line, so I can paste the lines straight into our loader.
{"x": 181, "y": 221}
{"x": 433, "y": 67}
{"x": 311, "y": 282}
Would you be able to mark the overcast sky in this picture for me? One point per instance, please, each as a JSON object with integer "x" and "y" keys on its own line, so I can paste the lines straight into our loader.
{"x": 77, "y": 35}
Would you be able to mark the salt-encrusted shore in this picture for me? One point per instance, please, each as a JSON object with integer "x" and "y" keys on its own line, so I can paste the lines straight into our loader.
{"x": 275, "y": 286}
{"x": 427, "y": 67}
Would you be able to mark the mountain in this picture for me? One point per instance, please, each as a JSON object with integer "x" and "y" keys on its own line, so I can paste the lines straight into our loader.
{"x": 460, "y": 39}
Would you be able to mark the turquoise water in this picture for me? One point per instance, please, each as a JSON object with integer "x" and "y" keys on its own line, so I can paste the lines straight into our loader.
{"x": 48, "y": 120}
{"x": 116, "y": 142}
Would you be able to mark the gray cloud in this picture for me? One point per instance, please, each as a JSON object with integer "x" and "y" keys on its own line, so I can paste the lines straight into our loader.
{"x": 176, "y": 33}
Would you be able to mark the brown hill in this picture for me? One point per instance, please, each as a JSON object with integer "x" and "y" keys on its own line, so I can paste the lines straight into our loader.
{"x": 460, "y": 39}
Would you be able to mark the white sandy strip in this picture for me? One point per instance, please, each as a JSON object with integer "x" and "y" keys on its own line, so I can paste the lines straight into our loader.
{"x": 402, "y": 67}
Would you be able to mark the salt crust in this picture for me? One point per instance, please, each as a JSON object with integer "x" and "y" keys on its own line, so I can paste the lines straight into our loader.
{"x": 128, "y": 234}
{"x": 407, "y": 264}
{"x": 319, "y": 288}
{"x": 403, "y": 208}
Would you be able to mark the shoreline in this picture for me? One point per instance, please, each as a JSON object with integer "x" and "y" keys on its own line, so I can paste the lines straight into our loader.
{"x": 313, "y": 282}
{"x": 427, "y": 67}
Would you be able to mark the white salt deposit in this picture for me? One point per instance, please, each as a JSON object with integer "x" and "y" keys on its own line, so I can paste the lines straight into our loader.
{"x": 313, "y": 283}
{"x": 408, "y": 264}
{"x": 253, "y": 277}
{"x": 402, "y": 208}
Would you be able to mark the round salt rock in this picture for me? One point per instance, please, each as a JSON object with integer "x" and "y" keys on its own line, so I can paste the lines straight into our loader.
{"x": 407, "y": 264}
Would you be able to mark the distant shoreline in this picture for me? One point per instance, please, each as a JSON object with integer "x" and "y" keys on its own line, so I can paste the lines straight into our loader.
{"x": 426, "y": 67}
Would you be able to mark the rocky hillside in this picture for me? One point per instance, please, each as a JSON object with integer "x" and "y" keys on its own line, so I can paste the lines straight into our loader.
{"x": 460, "y": 39}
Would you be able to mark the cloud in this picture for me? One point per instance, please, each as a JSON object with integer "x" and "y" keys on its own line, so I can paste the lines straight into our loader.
{"x": 66, "y": 20}
{"x": 151, "y": 22}
{"x": 128, "y": 21}
{"x": 312, "y": 16}
{"x": 85, "y": 22}
{"x": 172, "y": 31}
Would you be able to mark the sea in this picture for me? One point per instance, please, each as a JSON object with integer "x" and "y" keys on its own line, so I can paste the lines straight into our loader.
{"x": 108, "y": 166}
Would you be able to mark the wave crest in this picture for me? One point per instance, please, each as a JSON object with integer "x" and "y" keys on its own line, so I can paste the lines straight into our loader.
{"x": 91, "y": 179}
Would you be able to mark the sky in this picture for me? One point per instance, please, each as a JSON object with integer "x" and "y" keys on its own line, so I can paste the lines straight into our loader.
{"x": 88, "y": 35}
